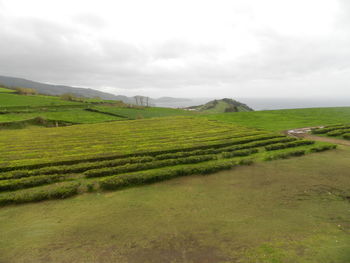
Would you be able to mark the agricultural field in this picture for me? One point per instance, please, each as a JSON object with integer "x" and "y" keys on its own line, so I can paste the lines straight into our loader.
{"x": 19, "y": 111}
{"x": 279, "y": 120}
{"x": 15, "y": 100}
{"x": 65, "y": 161}
{"x": 145, "y": 112}
{"x": 73, "y": 115}
{"x": 292, "y": 210}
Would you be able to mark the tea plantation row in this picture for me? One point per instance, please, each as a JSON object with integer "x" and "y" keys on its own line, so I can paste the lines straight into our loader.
{"x": 66, "y": 161}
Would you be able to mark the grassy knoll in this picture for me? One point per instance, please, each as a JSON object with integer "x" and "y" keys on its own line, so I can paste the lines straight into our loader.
{"x": 286, "y": 211}
{"x": 140, "y": 113}
{"x": 278, "y": 120}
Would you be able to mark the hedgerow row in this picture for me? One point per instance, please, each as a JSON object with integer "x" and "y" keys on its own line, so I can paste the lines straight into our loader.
{"x": 59, "y": 192}
{"x": 121, "y": 181}
{"x": 82, "y": 167}
{"x": 150, "y": 153}
{"x": 279, "y": 146}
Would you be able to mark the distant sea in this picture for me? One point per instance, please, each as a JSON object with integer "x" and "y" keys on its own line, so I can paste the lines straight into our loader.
{"x": 293, "y": 103}
{"x": 268, "y": 103}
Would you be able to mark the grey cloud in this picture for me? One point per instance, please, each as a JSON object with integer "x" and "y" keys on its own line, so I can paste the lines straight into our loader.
{"x": 90, "y": 20}
{"x": 51, "y": 52}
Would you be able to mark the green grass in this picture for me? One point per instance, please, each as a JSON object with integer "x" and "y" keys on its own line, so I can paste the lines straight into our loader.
{"x": 4, "y": 90}
{"x": 279, "y": 120}
{"x": 140, "y": 113}
{"x": 14, "y": 100}
{"x": 78, "y": 115}
{"x": 273, "y": 212}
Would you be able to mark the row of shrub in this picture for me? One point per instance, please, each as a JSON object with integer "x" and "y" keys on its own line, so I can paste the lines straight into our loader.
{"x": 322, "y": 148}
{"x": 58, "y": 192}
{"x": 338, "y": 132}
{"x": 75, "y": 168}
{"x": 224, "y": 143}
{"x": 279, "y": 146}
{"x": 147, "y": 177}
{"x": 15, "y": 184}
{"x": 284, "y": 155}
{"x": 346, "y": 136}
{"x": 82, "y": 167}
{"x": 239, "y": 153}
{"x": 145, "y": 166}
{"x": 329, "y": 129}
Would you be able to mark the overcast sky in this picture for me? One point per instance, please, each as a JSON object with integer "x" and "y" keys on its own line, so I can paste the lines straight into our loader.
{"x": 181, "y": 48}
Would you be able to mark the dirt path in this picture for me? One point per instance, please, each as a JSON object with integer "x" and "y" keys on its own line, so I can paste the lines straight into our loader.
{"x": 305, "y": 133}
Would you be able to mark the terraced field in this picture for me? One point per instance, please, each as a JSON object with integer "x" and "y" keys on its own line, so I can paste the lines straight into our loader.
{"x": 61, "y": 162}
{"x": 338, "y": 130}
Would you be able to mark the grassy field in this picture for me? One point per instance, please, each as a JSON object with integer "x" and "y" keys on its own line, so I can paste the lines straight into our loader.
{"x": 5, "y": 90}
{"x": 74, "y": 115}
{"x": 287, "y": 211}
{"x": 252, "y": 208}
{"x": 140, "y": 113}
{"x": 14, "y": 100}
{"x": 279, "y": 120}
{"x": 76, "y": 159}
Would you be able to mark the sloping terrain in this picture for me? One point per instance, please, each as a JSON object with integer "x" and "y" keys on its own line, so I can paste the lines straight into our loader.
{"x": 221, "y": 106}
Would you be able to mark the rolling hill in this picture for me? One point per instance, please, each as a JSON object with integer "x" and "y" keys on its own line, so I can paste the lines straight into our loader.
{"x": 220, "y": 106}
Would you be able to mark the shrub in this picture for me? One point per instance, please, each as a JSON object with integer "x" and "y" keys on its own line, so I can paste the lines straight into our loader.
{"x": 279, "y": 146}
{"x": 14, "y": 184}
{"x": 25, "y": 91}
{"x": 75, "y": 168}
{"x": 147, "y": 177}
{"x": 145, "y": 166}
{"x": 58, "y": 192}
{"x": 322, "y": 148}
{"x": 346, "y": 136}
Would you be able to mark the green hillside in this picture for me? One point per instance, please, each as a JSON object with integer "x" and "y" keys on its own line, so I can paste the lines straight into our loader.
{"x": 221, "y": 106}
{"x": 279, "y": 120}
{"x": 14, "y": 100}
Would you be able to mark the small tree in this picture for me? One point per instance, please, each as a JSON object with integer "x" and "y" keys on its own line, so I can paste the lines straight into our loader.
{"x": 25, "y": 91}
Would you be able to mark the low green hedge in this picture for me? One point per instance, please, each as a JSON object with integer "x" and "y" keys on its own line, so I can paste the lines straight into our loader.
{"x": 59, "y": 192}
{"x": 279, "y": 146}
{"x": 221, "y": 144}
{"x": 15, "y": 184}
{"x": 147, "y": 177}
{"x": 322, "y": 148}
{"x": 144, "y": 166}
{"x": 74, "y": 168}
{"x": 338, "y": 132}
{"x": 346, "y": 136}
{"x": 328, "y": 129}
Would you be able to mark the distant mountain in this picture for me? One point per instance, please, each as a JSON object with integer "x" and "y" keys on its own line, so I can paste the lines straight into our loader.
{"x": 220, "y": 106}
{"x": 50, "y": 89}
{"x": 61, "y": 89}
